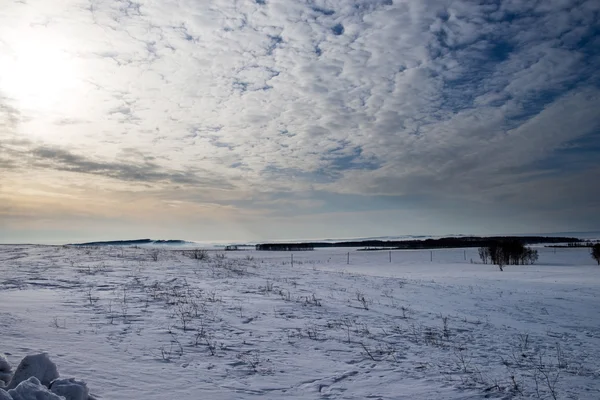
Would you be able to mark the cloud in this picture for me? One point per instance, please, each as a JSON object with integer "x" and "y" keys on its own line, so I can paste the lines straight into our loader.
{"x": 276, "y": 100}
{"x": 9, "y": 115}
{"x": 148, "y": 172}
{"x": 70, "y": 121}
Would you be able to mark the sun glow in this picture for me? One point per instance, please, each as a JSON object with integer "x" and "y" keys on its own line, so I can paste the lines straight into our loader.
{"x": 38, "y": 73}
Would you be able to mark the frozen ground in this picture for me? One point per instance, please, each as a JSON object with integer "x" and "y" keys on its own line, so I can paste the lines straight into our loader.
{"x": 247, "y": 324}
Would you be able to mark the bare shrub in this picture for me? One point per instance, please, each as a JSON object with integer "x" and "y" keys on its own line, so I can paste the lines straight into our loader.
{"x": 312, "y": 331}
{"x": 197, "y": 254}
{"x": 154, "y": 254}
{"x": 360, "y": 296}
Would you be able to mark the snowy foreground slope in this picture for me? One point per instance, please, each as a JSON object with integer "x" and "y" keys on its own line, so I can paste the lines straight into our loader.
{"x": 147, "y": 324}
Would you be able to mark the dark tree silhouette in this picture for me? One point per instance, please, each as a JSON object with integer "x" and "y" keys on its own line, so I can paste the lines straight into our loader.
{"x": 484, "y": 254}
{"x": 596, "y": 252}
{"x": 511, "y": 252}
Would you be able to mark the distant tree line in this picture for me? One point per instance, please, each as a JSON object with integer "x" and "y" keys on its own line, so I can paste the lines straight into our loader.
{"x": 576, "y": 244}
{"x": 504, "y": 253}
{"x": 415, "y": 244}
{"x": 285, "y": 247}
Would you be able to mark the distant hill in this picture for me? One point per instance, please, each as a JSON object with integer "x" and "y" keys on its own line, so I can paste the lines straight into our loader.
{"x": 136, "y": 242}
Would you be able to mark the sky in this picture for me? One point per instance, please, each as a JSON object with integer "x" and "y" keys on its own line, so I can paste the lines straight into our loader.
{"x": 287, "y": 119}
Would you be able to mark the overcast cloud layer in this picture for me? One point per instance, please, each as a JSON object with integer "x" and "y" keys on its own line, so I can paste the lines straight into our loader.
{"x": 248, "y": 120}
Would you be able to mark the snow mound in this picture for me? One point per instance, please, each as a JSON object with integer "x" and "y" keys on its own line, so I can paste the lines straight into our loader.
{"x": 70, "y": 388}
{"x": 32, "y": 389}
{"x": 39, "y": 366}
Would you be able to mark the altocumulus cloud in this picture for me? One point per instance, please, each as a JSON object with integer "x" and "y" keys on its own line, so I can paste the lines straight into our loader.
{"x": 256, "y": 104}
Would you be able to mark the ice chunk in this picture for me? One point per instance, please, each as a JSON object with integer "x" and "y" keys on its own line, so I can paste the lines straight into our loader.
{"x": 4, "y": 379}
{"x": 4, "y": 395}
{"x": 32, "y": 389}
{"x": 5, "y": 373}
{"x": 37, "y": 365}
{"x": 70, "y": 388}
{"x": 4, "y": 365}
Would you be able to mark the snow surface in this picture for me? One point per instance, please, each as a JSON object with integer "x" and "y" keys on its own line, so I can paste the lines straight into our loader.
{"x": 246, "y": 324}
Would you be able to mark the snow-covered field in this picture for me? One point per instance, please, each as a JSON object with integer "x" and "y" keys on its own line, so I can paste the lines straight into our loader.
{"x": 246, "y": 324}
